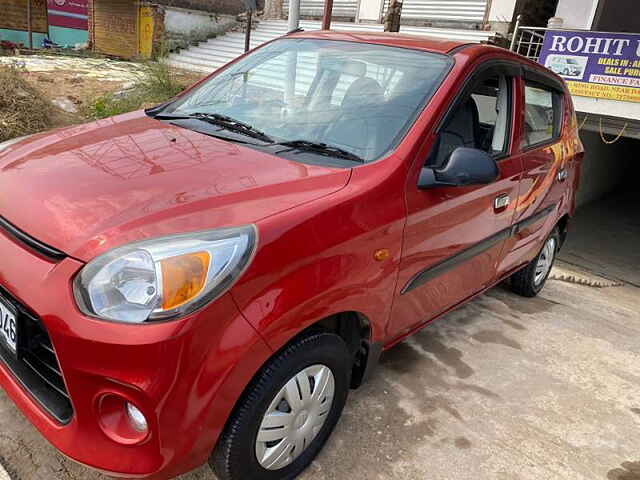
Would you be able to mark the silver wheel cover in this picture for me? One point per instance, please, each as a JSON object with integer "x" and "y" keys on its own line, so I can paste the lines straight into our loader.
{"x": 545, "y": 261}
{"x": 295, "y": 417}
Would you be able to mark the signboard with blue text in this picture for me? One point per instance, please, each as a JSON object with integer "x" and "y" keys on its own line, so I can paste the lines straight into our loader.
{"x": 595, "y": 64}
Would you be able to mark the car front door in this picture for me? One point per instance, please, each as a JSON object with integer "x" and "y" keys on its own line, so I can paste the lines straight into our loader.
{"x": 454, "y": 235}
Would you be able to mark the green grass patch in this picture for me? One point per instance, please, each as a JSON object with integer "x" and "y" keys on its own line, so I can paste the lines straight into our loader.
{"x": 157, "y": 86}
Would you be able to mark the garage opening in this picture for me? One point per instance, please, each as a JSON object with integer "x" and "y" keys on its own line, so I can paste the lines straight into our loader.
{"x": 604, "y": 235}
{"x": 605, "y": 232}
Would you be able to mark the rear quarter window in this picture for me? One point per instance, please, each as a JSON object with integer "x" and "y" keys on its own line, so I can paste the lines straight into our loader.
{"x": 542, "y": 116}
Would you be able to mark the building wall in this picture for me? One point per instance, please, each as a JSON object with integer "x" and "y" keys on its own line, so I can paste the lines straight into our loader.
{"x": 113, "y": 27}
{"x": 501, "y": 15}
{"x": 68, "y": 21}
{"x": 14, "y": 15}
{"x": 605, "y": 168}
{"x": 577, "y": 13}
{"x": 536, "y": 13}
{"x": 14, "y": 25}
{"x": 617, "y": 16}
{"x": 68, "y": 36}
{"x": 20, "y": 37}
{"x": 184, "y": 27}
{"x": 225, "y": 7}
{"x": 370, "y": 10}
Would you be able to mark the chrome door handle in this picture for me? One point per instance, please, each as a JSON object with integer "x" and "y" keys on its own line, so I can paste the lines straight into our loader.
{"x": 501, "y": 202}
{"x": 563, "y": 175}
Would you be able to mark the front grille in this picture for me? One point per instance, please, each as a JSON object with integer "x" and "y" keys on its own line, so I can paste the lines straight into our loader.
{"x": 36, "y": 366}
{"x": 33, "y": 244}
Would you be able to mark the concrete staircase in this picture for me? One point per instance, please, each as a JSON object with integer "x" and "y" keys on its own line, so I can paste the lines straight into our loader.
{"x": 216, "y": 52}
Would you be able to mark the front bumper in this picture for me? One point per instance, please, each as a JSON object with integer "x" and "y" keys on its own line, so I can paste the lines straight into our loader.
{"x": 185, "y": 376}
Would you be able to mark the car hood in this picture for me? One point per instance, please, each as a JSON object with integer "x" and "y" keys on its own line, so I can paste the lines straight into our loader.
{"x": 87, "y": 189}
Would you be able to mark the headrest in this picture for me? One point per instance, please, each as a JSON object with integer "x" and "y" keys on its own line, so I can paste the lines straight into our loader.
{"x": 348, "y": 67}
{"x": 363, "y": 92}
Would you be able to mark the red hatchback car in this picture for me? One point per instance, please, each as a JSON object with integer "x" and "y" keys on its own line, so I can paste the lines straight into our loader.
{"x": 209, "y": 278}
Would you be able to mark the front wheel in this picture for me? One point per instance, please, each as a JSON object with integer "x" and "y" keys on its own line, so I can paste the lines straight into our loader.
{"x": 287, "y": 413}
{"x": 529, "y": 281}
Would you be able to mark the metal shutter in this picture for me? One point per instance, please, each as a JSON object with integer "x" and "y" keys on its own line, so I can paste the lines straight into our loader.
{"x": 315, "y": 8}
{"x": 14, "y": 15}
{"x": 443, "y": 10}
{"x": 116, "y": 27}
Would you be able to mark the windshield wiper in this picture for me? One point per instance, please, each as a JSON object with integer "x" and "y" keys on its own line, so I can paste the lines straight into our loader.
{"x": 219, "y": 120}
{"x": 322, "y": 149}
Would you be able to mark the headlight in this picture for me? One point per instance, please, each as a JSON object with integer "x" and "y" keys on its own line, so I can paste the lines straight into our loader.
{"x": 163, "y": 278}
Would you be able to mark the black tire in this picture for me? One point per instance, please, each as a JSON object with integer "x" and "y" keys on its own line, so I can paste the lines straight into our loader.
{"x": 234, "y": 457}
{"x": 523, "y": 281}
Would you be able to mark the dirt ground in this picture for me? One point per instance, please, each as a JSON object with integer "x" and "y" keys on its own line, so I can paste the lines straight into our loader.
{"x": 81, "y": 80}
{"x": 79, "y": 90}
{"x": 504, "y": 388}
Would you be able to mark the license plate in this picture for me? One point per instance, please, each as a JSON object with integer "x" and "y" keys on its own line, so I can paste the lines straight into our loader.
{"x": 8, "y": 325}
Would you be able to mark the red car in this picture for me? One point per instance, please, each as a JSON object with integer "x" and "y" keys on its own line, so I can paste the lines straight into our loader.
{"x": 209, "y": 278}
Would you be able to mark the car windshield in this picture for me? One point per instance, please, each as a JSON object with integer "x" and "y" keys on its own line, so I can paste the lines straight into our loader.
{"x": 357, "y": 98}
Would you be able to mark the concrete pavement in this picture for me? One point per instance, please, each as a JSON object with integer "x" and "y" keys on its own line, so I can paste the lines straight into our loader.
{"x": 503, "y": 388}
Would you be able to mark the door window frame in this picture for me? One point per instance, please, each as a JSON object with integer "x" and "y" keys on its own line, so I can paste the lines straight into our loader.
{"x": 558, "y": 109}
{"x": 509, "y": 69}
{"x": 538, "y": 79}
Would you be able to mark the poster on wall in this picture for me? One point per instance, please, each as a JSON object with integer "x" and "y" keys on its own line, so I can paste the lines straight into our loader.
{"x": 69, "y": 13}
{"x": 595, "y": 64}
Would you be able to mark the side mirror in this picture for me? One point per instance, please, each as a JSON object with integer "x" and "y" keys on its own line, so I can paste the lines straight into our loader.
{"x": 466, "y": 166}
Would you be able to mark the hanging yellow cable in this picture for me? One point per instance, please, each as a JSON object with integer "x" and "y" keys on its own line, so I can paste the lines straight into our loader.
{"x": 584, "y": 121}
{"x": 611, "y": 142}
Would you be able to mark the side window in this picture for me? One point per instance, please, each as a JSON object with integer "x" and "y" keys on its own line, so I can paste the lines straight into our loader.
{"x": 542, "y": 115}
{"x": 481, "y": 120}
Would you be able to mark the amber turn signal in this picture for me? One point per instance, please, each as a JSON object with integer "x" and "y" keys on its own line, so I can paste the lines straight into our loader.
{"x": 381, "y": 254}
{"x": 183, "y": 278}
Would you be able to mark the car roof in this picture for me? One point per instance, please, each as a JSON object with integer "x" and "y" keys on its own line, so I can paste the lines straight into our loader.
{"x": 415, "y": 42}
{"x": 427, "y": 44}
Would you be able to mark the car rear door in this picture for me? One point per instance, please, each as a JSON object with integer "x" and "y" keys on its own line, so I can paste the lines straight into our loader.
{"x": 454, "y": 236}
{"x": 543, "y": 154}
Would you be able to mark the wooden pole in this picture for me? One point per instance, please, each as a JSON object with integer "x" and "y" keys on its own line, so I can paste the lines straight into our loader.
{"x": 247, "y": 36}
{"x": 328, "y": 12}
{"x": 392, "y": 18}
{"x": 29, "y": 26}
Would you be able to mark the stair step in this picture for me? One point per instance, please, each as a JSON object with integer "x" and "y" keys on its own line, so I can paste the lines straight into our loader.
{"x": 220, "y": 48}
{"x": 216, "y": 52}
{"x": 198, "y": 59}
{"x": 191, "y": 67}
{"x": 213, "y": 52}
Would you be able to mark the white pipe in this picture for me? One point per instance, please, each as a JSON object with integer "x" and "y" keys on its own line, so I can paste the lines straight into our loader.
{"x": 294, "y": 15}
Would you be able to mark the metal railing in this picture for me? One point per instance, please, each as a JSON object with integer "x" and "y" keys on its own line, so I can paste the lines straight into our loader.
{"x": 527, "y": 41}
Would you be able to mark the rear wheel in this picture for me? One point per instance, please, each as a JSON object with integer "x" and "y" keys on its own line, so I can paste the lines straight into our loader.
{"x": 529, "y": 281}
{"x": 287, "y": 413}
